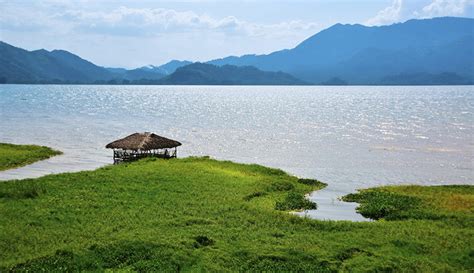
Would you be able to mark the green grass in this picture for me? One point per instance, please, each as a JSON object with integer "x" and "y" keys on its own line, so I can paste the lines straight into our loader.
{"x": 416, "y": 202}
{"x": 14, "y": 156}
{"x": 199, "y": 214}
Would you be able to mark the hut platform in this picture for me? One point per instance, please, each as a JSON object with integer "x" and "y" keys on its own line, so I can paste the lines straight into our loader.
{"x": 141, "y": 145}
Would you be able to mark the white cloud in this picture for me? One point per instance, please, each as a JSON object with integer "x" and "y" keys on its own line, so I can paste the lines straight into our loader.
{"x": 125, "y": 21}
{"x": 131, "y": 21}
{"x": 444, "y": 8}
{"x": 140, "y": 35}
{"x": 388, "y": 15}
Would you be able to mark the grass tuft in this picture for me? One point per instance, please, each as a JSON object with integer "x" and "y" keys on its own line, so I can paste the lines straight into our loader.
{"x": 280, "y": 186}
{"x": 451, "y": 203}
{"x": 25, "y": 190}
{"x": 201, "y": 241}
{"x": 295, "y": 201}
{"x": 312, "y": 182}
{"x": 254, "y": 195}
{"x": 383, "y": 204}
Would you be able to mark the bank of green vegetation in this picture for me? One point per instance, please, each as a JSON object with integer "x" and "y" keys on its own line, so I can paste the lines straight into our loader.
{"x": 197, "y": 214}
{"x": 14, "y": 156}
{"x": 453, "y": 203}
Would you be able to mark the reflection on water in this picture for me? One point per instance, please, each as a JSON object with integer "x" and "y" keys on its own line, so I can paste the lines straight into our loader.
{"x": 349, "y": 137}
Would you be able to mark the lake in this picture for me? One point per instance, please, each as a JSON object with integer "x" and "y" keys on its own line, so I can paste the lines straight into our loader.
{"x": 348, "y": 137}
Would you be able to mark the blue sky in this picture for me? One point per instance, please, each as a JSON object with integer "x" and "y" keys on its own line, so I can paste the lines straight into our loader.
{"x": 137, "y": 33}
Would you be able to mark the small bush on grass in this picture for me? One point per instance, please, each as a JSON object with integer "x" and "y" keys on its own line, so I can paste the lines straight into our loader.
{"x": 380, "y": 204}
{"x": 201, "y": 241}
{"x": 295, "y": 201}
{"x": 312, "y": 182}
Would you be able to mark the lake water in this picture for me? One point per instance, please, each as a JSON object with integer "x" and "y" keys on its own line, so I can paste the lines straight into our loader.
{"x": 348, "y": 137}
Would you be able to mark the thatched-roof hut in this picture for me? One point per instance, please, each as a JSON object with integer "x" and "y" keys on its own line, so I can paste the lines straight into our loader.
{"x": 139, "y": 145}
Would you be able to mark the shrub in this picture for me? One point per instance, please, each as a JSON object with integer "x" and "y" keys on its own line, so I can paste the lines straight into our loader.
{"x": 201, "y": 241}
{"x": 381, "y": 204}
{"x": 295, "y": 201}
{"x": 312, "y": 182}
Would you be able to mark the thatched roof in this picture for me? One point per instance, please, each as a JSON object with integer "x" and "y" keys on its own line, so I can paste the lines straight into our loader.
{"x": 143, "y": 141}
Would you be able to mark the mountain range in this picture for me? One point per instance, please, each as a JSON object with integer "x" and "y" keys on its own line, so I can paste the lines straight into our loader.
{"x": 58, "y": 66}
{"x": 149, "y": 72}
{"x": 373, "y": 55}
{"x": 428, "y": 51}
{"x": 209, "y": 74}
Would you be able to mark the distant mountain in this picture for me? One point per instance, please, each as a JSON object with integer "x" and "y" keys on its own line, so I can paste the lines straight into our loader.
{"x": 151, "y": 71}
{"x": 41, "y": 66}
{"x": 170, "y": 67}
{"x": 146, "y": 72}
{"x": 58, "y": 66}
{"x": 430, "y": 51}
{"x": 359, "y": 54}
{"x": 208, "y": 74}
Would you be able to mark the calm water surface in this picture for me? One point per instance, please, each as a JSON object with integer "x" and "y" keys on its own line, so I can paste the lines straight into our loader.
{"x": 348, "y": 137}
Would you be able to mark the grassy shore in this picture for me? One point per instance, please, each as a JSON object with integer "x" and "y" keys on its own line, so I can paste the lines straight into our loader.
{"x": 14, "y": 156}
{"x": 455, "y": 203}
{"x": 197, "y": 214}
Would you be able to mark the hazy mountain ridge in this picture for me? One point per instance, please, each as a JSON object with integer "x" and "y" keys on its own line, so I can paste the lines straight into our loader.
{"x": 136, "y": 74}
{"x": 149, "y": 72}
{"x": 59, "y": 66}
{"x": 208, "y": 74}
{"x": 430, "y": 51}
{"x": 366, "y": 55}
{"x": 41, "y": 66}
{"x": 170, "y": 67}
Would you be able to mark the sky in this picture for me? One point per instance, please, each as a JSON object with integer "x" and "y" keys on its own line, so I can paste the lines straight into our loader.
{"x": 136, "y": 33}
